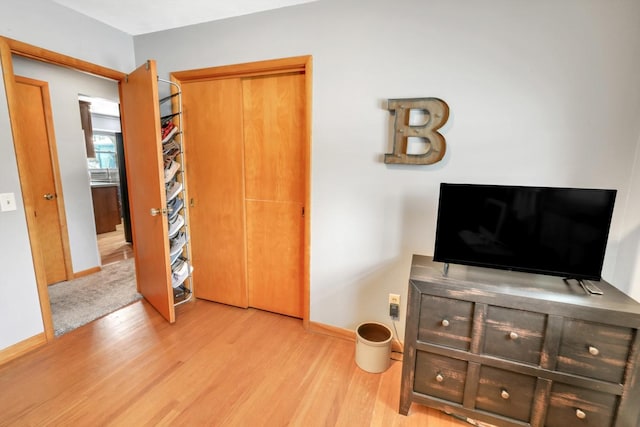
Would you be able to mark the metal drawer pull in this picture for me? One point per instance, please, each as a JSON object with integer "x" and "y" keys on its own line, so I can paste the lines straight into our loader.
{"x": 593, "y": 350}
{"x": 439, "y": 378}
{"x": 49, "y": 196}
{"x": 504, "y": 394}
{"x": 581, "y": 414}
{"x": 444, "y": 323}
{"x": 513, "y": 335}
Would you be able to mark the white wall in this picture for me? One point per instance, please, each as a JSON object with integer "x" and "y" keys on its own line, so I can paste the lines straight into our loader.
{"x": 541, "y": 93}
{"x": 48, "y": 25}
{"x": 628, "y": 260}
{"x": 64, "y": 87}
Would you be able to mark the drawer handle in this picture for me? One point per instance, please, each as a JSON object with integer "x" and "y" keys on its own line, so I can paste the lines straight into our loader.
{"x": 581, "y": 414}
{"x": 444, "y": 323}
{"x": 504, "y": 394}
{"x": 439, "y": 378}
{"x": 593, "y": 350}
{"x": 513, "y": 335}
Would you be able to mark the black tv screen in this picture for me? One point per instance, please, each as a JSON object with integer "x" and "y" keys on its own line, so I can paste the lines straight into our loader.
{"x": 554, "y": 231}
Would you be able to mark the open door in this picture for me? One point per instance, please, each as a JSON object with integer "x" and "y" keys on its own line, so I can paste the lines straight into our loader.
{"x": 144, "y": 165}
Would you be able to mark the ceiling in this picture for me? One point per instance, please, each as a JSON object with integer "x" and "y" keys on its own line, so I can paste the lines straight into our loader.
{"x": 145, "y": 16}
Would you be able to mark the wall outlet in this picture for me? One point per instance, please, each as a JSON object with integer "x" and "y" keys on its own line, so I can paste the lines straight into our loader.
{"x": 394, "y": 306}
{"x": 7, "y": 202}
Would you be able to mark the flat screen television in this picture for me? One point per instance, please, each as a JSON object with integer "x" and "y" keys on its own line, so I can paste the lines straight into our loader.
{"x": 554, "y": 231}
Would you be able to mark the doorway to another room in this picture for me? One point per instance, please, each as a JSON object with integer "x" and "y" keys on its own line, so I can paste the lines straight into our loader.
{"x": 83, "y": 133}
{"x": 105, "y": 161}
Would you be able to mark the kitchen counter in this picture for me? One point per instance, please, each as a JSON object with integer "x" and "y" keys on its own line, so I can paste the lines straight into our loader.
{"x": 95, "y": 184}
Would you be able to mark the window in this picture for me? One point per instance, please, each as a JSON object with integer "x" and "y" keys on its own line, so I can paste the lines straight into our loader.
{"x": 104, "y": 144}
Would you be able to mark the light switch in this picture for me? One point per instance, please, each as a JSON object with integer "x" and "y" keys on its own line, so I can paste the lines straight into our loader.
{"x": 7, "y": 202}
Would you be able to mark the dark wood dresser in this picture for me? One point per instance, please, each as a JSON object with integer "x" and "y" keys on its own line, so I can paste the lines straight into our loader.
{"x": 518, "y": 349}
{"x": 106, "y": 207}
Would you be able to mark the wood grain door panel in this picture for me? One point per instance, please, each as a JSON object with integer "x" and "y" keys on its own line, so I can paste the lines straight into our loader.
{"x": 274, "y": 126}
{"x": 274, "y": 256}
{"x": 33, "y": 115}
{"x": 273, "y": 137}
{"x": 144, "y": 165}
{"x": 215, "y": 183}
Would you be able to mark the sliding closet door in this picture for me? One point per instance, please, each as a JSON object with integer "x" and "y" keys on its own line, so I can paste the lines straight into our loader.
{"x": 215, "y": 183}
{"x": 274, "y": 114}
{"x": 247, "y": 153}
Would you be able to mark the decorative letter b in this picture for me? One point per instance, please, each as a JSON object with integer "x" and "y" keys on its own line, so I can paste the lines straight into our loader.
{"x": 437, "y": 113}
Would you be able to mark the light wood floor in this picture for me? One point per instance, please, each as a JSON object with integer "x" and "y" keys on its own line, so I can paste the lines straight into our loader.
{"x": 217, "y": 365}
{"x": 113, "y": 247}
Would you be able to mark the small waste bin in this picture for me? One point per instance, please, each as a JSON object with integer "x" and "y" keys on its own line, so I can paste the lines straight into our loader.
{"x": 373, "y": 347}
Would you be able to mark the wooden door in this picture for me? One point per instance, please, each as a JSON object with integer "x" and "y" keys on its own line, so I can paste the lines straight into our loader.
{"x": 274, "y": 127}
{"x": 247, "y": 142}
{"x": 214, "y": 152}
{"x": 144, "y": 165}
{"x": 37, "y": 159}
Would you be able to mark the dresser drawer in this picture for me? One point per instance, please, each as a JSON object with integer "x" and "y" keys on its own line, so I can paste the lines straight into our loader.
{"x": 440, "y": 376}
{"x": 574, "y": 406}
{"x": 505, "y": 393}
{"x": 594, "y": 350}
{"x": 514, "y": 334}
{"x": 445, "y": 321}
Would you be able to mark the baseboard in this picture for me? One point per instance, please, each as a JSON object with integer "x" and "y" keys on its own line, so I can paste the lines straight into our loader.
{"x": 86, "y": 272}
{"x": 347, "y": 334}
{"x": 334, "y": 331}
{"x": 23, "y": 347}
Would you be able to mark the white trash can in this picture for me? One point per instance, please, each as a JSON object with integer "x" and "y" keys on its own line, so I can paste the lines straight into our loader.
{"x": 373, "y": 347}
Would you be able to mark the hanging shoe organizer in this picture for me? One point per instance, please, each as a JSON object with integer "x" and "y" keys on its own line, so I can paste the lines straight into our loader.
{"x": 174, "y": 179}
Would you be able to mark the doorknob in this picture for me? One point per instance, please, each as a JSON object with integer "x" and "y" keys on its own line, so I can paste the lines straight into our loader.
{"x": 156, "y": 212}
{"x": 49, "y": 196}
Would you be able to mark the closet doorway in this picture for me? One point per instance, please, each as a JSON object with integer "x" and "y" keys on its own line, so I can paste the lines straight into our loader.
{"x": 247, "y": 149}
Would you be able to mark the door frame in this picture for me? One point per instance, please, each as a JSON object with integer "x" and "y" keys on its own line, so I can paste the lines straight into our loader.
{"x": 299, "y": 64}
{"x": 7, "y": 48}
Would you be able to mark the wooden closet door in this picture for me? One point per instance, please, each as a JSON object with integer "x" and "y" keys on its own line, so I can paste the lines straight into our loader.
{"x": 273, "y": 111}
{"x": 215, "y": 183}
{"x": 144, "y": 163}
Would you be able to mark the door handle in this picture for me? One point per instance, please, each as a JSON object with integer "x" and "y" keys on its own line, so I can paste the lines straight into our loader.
{"x": 156, "y": 212}
{"x": 49, "y": 196}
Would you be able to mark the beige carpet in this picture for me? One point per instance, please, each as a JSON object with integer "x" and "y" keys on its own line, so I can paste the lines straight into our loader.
{"x": 79, "y": 301}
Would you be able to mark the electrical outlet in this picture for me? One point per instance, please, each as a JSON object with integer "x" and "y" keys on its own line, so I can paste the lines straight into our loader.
{"x": 394, "y": 306}
{"x": 7, "y": 202}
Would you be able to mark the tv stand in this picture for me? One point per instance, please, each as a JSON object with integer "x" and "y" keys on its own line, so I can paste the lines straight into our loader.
{"x": 517, "y": 349}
